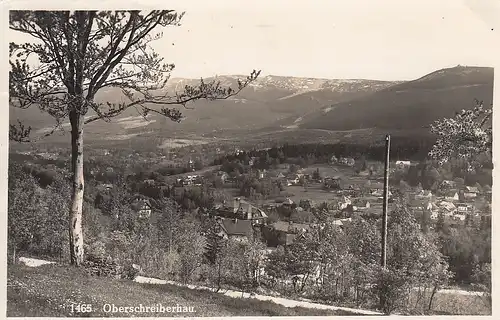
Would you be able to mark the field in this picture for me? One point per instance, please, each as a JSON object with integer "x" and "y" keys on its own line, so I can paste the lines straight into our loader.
{"x": 315, "y": 191}
{"x": 51, "y": 291}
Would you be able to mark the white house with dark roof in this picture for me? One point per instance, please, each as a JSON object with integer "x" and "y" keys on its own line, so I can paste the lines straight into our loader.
{"x": 447, "y": 208}
{"x": 403, "y": 163}
{"x": 470, "y": 192}
{"x": 452, "y": 195}
{"x": 142, "y": 206}
{"x": 237, "y": 229}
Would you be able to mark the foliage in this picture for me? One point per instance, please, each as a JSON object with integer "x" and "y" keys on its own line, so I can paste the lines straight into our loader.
{"x": 78, "y": 53}
{"x": 74, "y": 57}
{"x": 465, "y": 136}
{"x": 190, "y": 245}
{"x": 413, "y": 260}
{"x": 37, "y": 217}
{"x": 465, "y": 248}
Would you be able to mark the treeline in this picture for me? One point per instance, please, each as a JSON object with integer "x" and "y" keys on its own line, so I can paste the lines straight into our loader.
{"x": 428, "y": 175}
{"x": 403, "y": 149}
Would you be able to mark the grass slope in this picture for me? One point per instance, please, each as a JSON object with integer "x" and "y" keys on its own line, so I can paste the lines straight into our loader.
{"x": 410, "y": 105}
{"x": 50, "y": 290}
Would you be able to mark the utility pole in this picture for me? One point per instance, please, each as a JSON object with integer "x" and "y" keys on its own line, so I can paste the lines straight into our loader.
{"x": 170, "y": 235}
{"x": 386, "y": 202}
{"x": 383, "y": 258}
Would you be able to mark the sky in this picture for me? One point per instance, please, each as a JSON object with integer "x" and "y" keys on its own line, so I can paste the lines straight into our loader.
{"x": 383, "y": 39}
{"x": 386, "y": 40}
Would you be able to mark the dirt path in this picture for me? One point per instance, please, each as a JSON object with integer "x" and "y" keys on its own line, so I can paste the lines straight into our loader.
{"x": 282, "y": 301}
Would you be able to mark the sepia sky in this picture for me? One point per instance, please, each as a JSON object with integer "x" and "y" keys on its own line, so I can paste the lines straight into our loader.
{"x": 383, "y": 39}
{"x": 387, "y": 40}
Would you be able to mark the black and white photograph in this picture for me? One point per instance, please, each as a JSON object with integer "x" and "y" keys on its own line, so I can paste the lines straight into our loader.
{"x": 248, "y": 158}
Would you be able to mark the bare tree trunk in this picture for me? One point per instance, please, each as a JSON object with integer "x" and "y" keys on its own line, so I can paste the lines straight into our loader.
{"x": 75, "y": 227}
{"x": 434, "y": 290}
{"x": 14, "y": 253}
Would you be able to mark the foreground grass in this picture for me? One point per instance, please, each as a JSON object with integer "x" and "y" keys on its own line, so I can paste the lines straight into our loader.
{"x": 453, "y": 304}
{"x": 55, "y": 291}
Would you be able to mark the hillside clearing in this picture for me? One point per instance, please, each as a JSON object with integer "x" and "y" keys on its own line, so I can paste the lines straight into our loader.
{"x": 54, "y": 290}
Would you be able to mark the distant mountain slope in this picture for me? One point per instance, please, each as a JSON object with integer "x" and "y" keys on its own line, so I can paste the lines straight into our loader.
{"x": 262, "y": 104}
{"x": 407, "y": 106}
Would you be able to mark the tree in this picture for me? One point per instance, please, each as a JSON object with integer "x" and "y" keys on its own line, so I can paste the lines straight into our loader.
{"x": 36, "y": 220}
{"x": 413, "y": 260}
{"x": 214, "y": 251}
{"x": 316, "y": 175}
{"x": 23, "y": 200}
{"x": 190, "y": 247}
{"x": 81, "y": 52}
{"x": 253, "y": 258}
{"x": 361, "y": 164}
{"x": 301, "y": 259}
{"x": 275, "y": 267}
{"x": 464, "y": 136}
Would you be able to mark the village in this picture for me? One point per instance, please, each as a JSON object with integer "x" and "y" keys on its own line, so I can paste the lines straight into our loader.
{"x": 340, "y": 189}
{"x": 335, "y": 189}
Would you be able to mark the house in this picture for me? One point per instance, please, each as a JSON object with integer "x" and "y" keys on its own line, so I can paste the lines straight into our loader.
{"x": 301, "y": 216}
{"x": 293, "y": 181}
{"x": 252, "y": 161}
{"x": 403, "y": 164}
{"x": 424, "y": 194}
{"x": 416, "y": 205}
{"x": 379, "y": 192}
{"x": 471, "y": 192}
{"x": 243, "y": 210}
{"x": 105, "y": 187}
{"x": 149, "y": 182}
{"x": 462, "y": 208}
{"x": 347, "y": 162}
{"x": 284, "y": 233}
{"x": 197, "y": 180}
{"x": 340, "y": 222}
{"x": 224, "y": 176}
{"x": 332, "y": 183}
{"x": 361, "y": 205}
{"x": 291, "y": 227}
{"x": 459, "y": 216}
{"x": 142, "y": 206}
{"x": 353, "y": 191}
{"x": 333, "y": 159}
{"x": 451, "y": 195}
{"x": 344, "y": 202}
{"x": 447, "y": 184}
{"x": 306, "y": 204}
{"x": 288, "y": 203}
{"x": 447, "y": 208}
{"x": 280, "y": 175}
{"x": 261, "y": 174}
{"x": 364, "y": 173}
{"x": 434, "y": 215}
{"x": 236, "y": 229}
{"x": 190, "y": 165}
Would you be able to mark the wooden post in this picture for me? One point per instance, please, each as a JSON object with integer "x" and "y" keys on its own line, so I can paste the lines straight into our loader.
{"x": 386, "y": 201}
{"x": 383, "y": 256}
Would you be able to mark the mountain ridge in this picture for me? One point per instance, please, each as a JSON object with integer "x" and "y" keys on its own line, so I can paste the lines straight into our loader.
{"x": 301, "y": 103}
